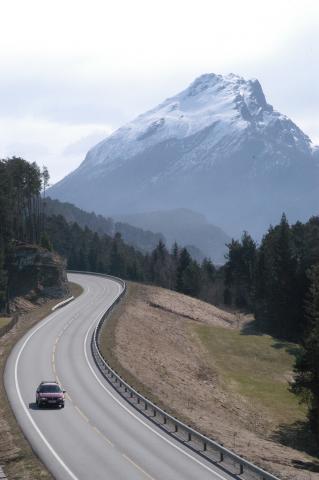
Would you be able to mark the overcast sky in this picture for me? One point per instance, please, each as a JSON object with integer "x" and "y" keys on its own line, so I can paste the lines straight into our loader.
{"x": 73, "y": 71}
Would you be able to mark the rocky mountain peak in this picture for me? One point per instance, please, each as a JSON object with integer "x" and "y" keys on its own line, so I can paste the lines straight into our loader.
{"x": 212, "y": 86}
{"x": 215, "y": 142}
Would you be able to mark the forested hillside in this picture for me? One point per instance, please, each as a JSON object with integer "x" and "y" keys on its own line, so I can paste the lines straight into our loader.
{"x": 21, "y": 216}
{"x": 279, "y": 281}
{"x": 143, "y": 240}
{"x": 175, "y": 269}
{"x": 28, "y": 268}
{"x": 24, "y": 219}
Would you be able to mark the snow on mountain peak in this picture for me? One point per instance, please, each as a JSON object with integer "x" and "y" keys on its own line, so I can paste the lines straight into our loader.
{"x": 228, "y": 104}
{"x": 217, "y": 147}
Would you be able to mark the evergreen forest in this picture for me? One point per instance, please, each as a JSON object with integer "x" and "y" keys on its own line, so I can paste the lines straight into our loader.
{"x": 279, "y": 282}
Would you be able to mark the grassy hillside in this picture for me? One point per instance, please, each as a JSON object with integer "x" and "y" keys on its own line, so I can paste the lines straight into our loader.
{"x": 258, "y": 367}
{"x": 212, "y": 370}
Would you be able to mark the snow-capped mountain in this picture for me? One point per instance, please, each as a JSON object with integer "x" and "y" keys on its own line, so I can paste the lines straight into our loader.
{"x": 217, "y": 147}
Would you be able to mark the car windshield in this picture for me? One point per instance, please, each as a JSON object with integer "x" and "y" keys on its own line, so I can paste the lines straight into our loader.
{"x": 49, "y": 389}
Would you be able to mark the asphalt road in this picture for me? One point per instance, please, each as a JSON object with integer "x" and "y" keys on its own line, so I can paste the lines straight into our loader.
{"x": 98, "y": 435}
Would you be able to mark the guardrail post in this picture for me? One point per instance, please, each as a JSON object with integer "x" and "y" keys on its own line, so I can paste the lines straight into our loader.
{"x": 165, "y": 420}
{"x": 189, "y": 436}
{"x": 241, "y": 469}
{"x": 145, "y": 405}
{"x": 221, "y": 456}
{"x": 204, "y": 446}
{"x": 176, "y": 427}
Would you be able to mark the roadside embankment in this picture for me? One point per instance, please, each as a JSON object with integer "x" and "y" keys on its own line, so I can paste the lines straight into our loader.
{"x": 211, "y": 369}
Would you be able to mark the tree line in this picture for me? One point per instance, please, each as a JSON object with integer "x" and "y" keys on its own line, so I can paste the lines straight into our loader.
{"x": 23, "y": 219}
{"x": 21, "y": 213}
{"x": 143, "y": 240}
{"x": 89, "y": 251}
{"x": 279, "y": 282}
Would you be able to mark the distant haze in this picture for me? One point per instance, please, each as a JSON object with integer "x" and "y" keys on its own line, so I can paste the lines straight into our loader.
{"x": 187, "y": 228}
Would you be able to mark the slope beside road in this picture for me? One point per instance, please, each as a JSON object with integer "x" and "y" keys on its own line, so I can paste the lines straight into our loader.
{"x": 97, "y": 435}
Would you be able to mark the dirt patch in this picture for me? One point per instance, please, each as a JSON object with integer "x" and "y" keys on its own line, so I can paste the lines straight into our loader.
{"x": 151, "y": 340}
{"x": 4, "y": 321}
{"x": 16, "y": 455}
{"x": 191, "y": 308}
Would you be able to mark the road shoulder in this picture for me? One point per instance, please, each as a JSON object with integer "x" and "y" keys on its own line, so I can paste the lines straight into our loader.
{"x": 16, "y": 455}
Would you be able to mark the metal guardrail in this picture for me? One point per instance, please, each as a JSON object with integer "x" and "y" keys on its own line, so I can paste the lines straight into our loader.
{"x": 15, "y": 317}
{"x": 204, "y": 446}
{"x": 61, "y": 304}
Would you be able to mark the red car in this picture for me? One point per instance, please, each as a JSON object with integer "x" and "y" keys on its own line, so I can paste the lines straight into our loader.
{"x": 50, "y": 394}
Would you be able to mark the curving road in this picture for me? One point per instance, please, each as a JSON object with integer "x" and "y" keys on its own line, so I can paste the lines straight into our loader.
{"x": 97, "y": 435}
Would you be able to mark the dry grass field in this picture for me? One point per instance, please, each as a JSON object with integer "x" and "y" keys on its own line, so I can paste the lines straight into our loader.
{"x": 4, "y": 321}
{"x": 212, "y": 370}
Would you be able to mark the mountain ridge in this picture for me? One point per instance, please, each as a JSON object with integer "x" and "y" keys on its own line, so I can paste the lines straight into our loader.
{"x": 143, "y": 240}
{"x": 187, "y": 228}
{"x": 144, "y": 235}
{"x": 217, "y": 148}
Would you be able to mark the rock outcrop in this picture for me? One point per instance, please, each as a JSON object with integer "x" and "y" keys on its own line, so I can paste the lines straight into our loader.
{"x": 35, "y": 272}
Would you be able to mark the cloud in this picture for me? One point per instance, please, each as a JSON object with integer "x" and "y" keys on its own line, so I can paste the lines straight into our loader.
{"x": 61, "y": 147}
{"x": 290, "y": 78}
{"x": 72, "y": 73}
{"x": 81, "y": 146}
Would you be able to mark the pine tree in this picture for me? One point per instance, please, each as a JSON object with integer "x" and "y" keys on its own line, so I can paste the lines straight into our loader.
{"x": 117, "y": 263}
{"x": 45, "y": 177}
{"x": 240, "y": 271}
{"x": 93, "y": 253}
{"x": 160, "y": 265}
{"x": 208, "y": 270}
{"x": 175, "y": 251}
{"x": 191, "y": 279}
{"x": 3, "y": 278}
{"x": 276, "y": 300}
{"x": 184, "y": 261}
{"x": 307, "y": 364}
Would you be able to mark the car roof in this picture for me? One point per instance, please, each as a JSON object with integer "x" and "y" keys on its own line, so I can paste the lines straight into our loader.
{"x": 49, "y": 383}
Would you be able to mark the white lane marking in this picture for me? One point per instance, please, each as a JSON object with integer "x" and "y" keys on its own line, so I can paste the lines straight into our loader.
{"x": 137, "y": 466}
{"x": 135, "y": 416}
{"x": 102, "y": 436}
{"x": 33, "y": 423}
{"x": 81, "y": 413}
